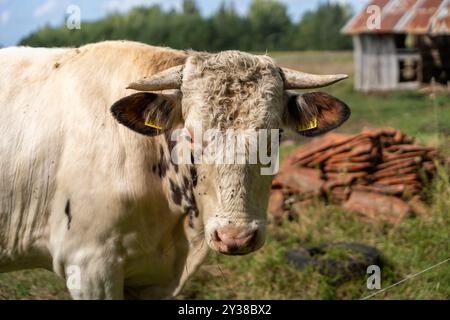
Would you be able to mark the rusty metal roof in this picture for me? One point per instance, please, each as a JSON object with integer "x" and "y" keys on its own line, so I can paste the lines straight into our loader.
{"x": 403, "y": 16}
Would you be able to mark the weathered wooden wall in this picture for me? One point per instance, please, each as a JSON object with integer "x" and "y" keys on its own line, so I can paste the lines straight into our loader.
{"x": 376, "y": 64}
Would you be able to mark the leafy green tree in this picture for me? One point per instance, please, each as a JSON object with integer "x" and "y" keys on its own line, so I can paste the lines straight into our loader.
{"x": 320, "y": 29}
{"x": 266, "y": 27}
{"x": 269, "y": 24}
{"x": 228, "y": 30}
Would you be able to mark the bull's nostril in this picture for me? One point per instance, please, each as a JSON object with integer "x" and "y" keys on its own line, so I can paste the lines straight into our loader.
{"x": 233, "y": 248}
{"x": 253, "y": 238}
{"x": 234, "y": 241}
{"x": 216, "y": 236}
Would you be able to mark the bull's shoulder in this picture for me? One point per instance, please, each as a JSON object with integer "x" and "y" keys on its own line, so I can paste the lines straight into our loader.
{"x": 142, "y": 56}
{"x": 29, "y": 52}
{"x": 21, "y": 58}
{"x": 128, "y": 46}
{"x": 124, "y": 57}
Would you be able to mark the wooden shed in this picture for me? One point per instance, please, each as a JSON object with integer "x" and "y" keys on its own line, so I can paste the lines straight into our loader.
{"x": 410, "y": 45}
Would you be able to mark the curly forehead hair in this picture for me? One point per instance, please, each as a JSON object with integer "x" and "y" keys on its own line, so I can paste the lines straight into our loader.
{"x": 238, "y": 88}
{"x": 245, "y": 64}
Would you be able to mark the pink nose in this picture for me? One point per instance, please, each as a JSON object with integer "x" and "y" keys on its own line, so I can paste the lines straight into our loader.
{"x": 230, "y": 240}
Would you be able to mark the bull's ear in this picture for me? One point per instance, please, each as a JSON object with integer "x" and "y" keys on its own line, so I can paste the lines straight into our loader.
{"x": 148, "y": 113}
{"x": 314, "y": 113}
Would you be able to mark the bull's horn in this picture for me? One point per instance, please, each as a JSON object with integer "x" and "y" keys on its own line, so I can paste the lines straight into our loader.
{"x": 300, "y": 80}
{"x": 168, "y": 79}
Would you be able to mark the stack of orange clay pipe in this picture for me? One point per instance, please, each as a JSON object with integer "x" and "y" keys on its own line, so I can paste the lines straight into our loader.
{"x": 379, "y": 173}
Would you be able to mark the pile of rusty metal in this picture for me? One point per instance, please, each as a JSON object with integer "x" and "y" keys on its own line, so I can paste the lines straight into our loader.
{"x": 379, "y": 173}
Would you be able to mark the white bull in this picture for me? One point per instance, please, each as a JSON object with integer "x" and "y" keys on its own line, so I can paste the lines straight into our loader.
{"x": 86, "y": 197}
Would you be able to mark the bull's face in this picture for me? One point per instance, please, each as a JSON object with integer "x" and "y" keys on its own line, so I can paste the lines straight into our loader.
{"x": 219, "y": 99}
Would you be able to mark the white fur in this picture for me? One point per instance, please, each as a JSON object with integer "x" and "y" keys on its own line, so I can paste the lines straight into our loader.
{"x": 60, "y": 143}
{"x": 61, "y": 147}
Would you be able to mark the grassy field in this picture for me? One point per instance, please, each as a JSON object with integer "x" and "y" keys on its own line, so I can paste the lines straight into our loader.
{"x": 422, "y": 115}
{"x": 407, "y": 248}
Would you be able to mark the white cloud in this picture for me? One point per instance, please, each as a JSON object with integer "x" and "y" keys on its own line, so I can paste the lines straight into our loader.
{"x": 126, "y": 5}
{"x": 4, "y": 17}
{"x": 45, "y": 8}
{"x": 341, "y": 1}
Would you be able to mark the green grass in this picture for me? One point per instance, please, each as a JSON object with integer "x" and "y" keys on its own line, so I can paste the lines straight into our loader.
{"x": 32, "y": 284}
{"x": 407, "y": 248}
{"x": 417, "y": 114}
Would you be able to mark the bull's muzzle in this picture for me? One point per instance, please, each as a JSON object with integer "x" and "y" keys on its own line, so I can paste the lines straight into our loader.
{"x": 236, "y": 241}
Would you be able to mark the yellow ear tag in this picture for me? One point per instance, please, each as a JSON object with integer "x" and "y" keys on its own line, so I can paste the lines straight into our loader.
{"x": 149, "y": 123}
{"x": 311, "y": 125}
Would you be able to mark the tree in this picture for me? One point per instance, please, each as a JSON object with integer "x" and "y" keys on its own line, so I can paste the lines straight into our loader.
{"x": 228, "y": 29}
{"x": 190, "y": 7}
{"x": 266, "y": 27}
{"x": 320, "y": 29}
{"x": 270, "y": 24}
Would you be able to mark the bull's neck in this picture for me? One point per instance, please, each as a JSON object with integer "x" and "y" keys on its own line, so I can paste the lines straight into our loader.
{"x": 178, "y": 181}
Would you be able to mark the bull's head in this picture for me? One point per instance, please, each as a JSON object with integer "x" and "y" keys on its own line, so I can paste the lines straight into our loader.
{"x": 232, "y": 90}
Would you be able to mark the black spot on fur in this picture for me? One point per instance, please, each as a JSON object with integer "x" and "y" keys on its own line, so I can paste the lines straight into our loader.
{"x": 171, "y": 144}
{"x": 193, "y": 213}
{"x": 161, "y": 153}
{"x": 162, "y": 168}
{"x": 176, "y": 192}
{"x": 191, "y": 219}
{"x": 186, "y": 183}
{"x": 159, "y": 170}
{"x": 194, "y": 176}
{"x": 188, "y": 197}
{"x": 163, "y": 164}
{"x": 196, "y": 213}
{"x": 68, "y": 214}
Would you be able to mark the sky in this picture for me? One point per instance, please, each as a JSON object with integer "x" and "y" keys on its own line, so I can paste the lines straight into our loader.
{"x": 18, "y": 18}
